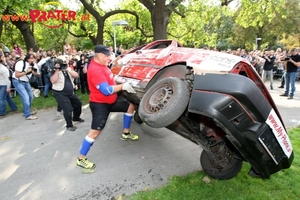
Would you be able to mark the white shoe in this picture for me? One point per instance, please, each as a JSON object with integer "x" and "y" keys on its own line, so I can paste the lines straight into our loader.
{"x": 31, "y": 117}
{"x": 58, "y": 114}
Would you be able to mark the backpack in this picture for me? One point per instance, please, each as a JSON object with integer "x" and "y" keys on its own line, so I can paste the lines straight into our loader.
{"x": 33, "y": 80}
{"x": 48, "y": 66}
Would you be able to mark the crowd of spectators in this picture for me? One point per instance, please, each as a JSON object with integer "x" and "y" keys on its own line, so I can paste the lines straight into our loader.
{"x": 77, "y": 59}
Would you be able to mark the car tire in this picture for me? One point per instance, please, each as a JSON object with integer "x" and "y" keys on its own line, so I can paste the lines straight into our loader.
{"x": 164, "y": 102}
{"x": 137, "y": 118}
{"x": 229, "y": 167}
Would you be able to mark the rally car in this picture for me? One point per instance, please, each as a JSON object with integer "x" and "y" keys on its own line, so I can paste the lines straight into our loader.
{"x": 217, "y": 100}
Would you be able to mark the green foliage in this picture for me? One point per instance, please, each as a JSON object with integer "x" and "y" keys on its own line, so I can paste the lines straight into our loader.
{"x": 280, "y": 186}
{"x": 194, "y": 23}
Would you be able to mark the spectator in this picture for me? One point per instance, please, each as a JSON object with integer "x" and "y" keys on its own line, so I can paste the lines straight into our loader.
{"x": 291, "y": 65}
{"x": 43, "y": 65}
{"x": 112, "y": 53}
{"x": 63, "y": 91}
{"x": 280, "y": 55}
{"x": 18, "y": 50}
{"x": 73, "y": 50}
{"x": 83, "y": 77}
{"x": 5, "y": 88}
{"x": 67, "y": 48}
{"x": 5, "y": 48}
{"x": 103, "y": 100}
{"x": 21, "y": 77}
{"x": 268, "y": 67}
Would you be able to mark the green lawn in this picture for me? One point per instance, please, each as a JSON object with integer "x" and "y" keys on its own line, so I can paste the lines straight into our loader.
{"x": 40, "y": 103}
{"x": 283, "y": 185}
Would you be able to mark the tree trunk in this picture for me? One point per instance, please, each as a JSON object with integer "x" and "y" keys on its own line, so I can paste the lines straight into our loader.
{"x": 160, "y": 15}
{"x": 27, "y": 34}
{"x": 160, "y": 20}
{"x": 1, "y": 27}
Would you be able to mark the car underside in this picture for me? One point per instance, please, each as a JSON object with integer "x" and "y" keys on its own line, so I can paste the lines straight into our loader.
{"x": 216, "y": 100}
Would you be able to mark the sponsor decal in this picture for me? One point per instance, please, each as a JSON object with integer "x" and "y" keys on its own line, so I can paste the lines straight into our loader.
{"x": 280, "y": 133}
{"x": 53, "y": 15}
{"x": 203, "y": 62}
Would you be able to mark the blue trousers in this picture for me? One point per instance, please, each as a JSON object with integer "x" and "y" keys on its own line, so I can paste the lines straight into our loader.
{"x": 5, "y": 97}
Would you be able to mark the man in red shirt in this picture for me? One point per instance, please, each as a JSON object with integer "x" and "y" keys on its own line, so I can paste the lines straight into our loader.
{"x": 103, "y": 100}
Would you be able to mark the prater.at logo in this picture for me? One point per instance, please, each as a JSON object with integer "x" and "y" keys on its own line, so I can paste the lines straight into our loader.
{"x": 52, "y": 15}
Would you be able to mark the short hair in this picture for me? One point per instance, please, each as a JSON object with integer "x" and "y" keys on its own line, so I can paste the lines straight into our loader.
{"x": 294, "y": 49}
{"x": 28, "y": 55}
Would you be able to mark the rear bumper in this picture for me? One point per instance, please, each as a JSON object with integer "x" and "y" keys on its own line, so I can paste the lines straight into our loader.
{"x": 247, "y": 118}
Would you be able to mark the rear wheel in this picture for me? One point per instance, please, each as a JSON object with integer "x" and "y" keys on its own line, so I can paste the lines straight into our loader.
{"x": 225, "y": 166}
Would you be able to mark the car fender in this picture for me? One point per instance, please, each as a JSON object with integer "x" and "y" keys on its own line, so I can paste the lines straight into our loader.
{"x": 237, "y": 105}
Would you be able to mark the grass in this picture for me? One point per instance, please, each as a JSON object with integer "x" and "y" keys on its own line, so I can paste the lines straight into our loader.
{"x": 280, "y": 186}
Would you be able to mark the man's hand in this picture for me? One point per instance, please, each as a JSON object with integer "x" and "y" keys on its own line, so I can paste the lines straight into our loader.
{"x": 126, "y": 86}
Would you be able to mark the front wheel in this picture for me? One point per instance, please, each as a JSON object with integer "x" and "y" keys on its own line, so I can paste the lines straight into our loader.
{"x": 137, "y": 118}
{"x": 226, "y": 166}
{"x": 164, "y": 102}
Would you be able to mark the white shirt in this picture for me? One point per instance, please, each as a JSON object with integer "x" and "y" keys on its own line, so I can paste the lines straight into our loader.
{"x": 4, "y": 74}
{"x": 19, "y": 68}
{"x": 42, "y": 61}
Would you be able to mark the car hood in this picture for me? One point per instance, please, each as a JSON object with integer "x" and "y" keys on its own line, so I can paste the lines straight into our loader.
{"x": 143, "y": 64}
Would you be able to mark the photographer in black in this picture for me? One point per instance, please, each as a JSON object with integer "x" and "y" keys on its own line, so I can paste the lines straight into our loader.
{"x": 291, "y": 64}
{"x": 83, "y": 77}
{"x": 268, "y": 67}
{"x": 63, "y": 90}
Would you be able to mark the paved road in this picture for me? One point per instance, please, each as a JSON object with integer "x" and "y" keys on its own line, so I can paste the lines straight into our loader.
{"x": 38, "y": 157}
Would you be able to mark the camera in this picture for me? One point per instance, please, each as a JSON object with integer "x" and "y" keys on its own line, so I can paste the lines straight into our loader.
{"x": 286, "y": 59}
{"x": 88, "y": 58}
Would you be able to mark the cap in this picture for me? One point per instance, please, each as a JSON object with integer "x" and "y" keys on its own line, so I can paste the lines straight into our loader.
{"x": 60, "y": 61}
{"x": 102, "y": 49}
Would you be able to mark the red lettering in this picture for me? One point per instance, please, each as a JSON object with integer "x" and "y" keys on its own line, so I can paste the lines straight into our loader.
{"x": 34, "y": 14}
{"x": 5, "y": 17}
{"x": 72, "y": 15}
{"x": 43, "y": 16}
{"x": 64, "y": 15}
{"x": 51, "y": 15}
{"x": 14, "y": 18}
{"x": 24, "y": 17}
{"x": 58, "y": 12}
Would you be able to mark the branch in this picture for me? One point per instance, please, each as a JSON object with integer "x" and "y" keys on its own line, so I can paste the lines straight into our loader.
{"x": 107, "y": 15}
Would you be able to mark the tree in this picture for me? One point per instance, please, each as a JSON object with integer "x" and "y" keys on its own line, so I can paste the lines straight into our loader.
{"x": 100, "y": 19}
{"x": 160, "y": 15}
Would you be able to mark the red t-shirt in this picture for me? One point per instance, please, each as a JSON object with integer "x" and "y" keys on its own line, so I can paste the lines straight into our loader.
{"x": 97, "y": 74}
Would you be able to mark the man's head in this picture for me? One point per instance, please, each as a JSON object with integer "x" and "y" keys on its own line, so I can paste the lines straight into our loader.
{"x": 102, "y": 54}
{"x": 294, "y": 51}
{"x": 102, "y": 49}
{"x": 60, "y": 63}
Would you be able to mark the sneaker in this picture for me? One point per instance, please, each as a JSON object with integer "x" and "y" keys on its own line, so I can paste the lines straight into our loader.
{"x": 129, "y": 136}
{"x": 284, "y": 95}
{"x": 31, "y": 117}
{"x": 71, "y": 128}
{"x": 271, "y": 87}
{"x": 290, "y": 97}
{"x": 78, "y": 120}
{"x": 84, "y": 163}
{"x": 280, "y": 86}
{"x": 58, "y": 114}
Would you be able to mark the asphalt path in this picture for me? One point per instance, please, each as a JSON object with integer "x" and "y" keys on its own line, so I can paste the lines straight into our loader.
{"x": 38, "y": 157}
